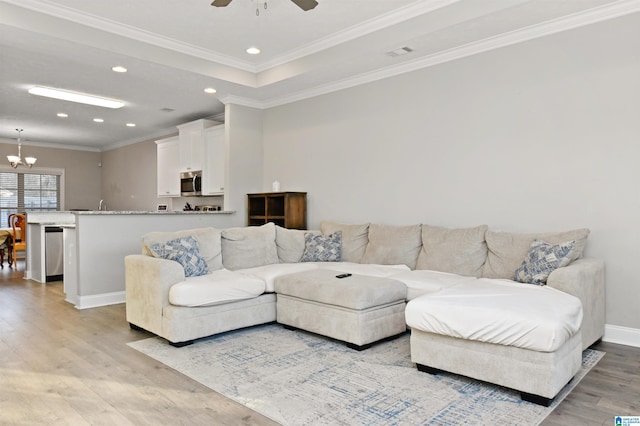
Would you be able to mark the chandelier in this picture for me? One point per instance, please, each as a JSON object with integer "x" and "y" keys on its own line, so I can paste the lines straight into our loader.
{"x": 16, "y": 160}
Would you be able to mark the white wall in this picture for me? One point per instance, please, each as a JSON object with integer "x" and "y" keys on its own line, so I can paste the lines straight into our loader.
{"x": 539, "y": 136}
{"x": 243, "y": 175}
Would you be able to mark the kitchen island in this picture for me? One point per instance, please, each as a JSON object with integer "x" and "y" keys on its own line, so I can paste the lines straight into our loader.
{"x": 96, "y": 242}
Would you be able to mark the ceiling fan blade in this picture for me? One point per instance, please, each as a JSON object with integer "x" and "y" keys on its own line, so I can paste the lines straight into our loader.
{"x": 220, "y": 3}
{"x": 305, "y": 4}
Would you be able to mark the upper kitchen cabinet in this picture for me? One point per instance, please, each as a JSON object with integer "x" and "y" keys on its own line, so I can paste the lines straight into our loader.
{"x": 213, "y": 169}
{"x": 192, "y": 136}
{"x": 168, "y": 167}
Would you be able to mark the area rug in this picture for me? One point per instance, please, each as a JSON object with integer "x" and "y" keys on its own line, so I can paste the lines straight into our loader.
{"x": 298, "y": 378}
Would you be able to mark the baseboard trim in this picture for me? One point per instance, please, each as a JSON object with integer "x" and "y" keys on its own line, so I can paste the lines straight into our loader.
{"x": 96, "y": 300}
{"x": 622, "y": 335}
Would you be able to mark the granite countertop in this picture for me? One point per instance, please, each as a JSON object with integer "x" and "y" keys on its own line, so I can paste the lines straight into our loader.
{"x": 109, "y": 212}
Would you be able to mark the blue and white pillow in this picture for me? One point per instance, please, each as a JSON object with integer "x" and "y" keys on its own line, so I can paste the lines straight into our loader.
{"x": 322, "y": 248}
{"x": 186, "y": 252}
{"x": 544, "y": 258}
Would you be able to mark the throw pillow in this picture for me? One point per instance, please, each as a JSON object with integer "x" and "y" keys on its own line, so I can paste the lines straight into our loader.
{"x": 542, "y": 259}
{"x": 209, "y": 243}
{"x": 185, "y": 251}
{"x": 322, "y": 248}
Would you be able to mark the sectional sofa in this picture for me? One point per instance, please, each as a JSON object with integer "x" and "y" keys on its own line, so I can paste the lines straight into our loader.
{"x": 466, "y": 308}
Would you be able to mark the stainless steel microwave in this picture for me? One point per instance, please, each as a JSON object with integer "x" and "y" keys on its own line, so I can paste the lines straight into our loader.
{"x": 191, "y": 184}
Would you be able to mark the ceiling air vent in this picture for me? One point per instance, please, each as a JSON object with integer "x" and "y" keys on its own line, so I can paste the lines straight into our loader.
{"x": 167, "y": 109}
{"x": 399, "y": 52}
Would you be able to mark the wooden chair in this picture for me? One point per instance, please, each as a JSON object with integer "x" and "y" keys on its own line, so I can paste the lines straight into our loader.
{"x": 19, "y": 227}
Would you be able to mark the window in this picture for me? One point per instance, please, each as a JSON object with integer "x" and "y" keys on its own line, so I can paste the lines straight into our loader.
{"x": 28, "y": 192}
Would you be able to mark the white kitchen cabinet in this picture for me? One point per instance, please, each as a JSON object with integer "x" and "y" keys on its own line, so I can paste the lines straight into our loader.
{"x": 214, "y": 161}
{"x": 192, "y": 144}
{"x": 168, "y": 167}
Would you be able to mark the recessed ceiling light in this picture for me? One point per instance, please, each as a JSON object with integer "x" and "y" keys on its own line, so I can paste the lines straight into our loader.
{"x": 253, "y": 51}
{"x": 210, "y": 90}
{"x": 82, "y": 98}
{"x": 131, "y": 124}
{"x": 62, "y": 115}
{"x": 119, "y": 69}
{"x": 98, "y": 120}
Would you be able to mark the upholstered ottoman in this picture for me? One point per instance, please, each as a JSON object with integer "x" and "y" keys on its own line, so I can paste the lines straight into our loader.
{"x": 358, "y": 309}
{"x": 520, "y": 336}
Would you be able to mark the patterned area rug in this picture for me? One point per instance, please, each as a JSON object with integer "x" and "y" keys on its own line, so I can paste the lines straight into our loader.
{"x": 297, "y": 378}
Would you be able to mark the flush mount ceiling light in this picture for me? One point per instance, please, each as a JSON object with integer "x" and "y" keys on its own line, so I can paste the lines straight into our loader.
{"x": 210, "y": 90}
{"x": 131, "y": 124}
{"x": 119, "y": 68}
{"x": 62, "y": 115}
{"x": 82, "y": 98}
{"x": 98, "y": 120}
{"x": 16, "y": 160}
{"x": 253, "y": 51}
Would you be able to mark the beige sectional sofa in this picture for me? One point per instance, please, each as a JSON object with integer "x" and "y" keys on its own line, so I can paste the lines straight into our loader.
{"x": 466, "y": 313}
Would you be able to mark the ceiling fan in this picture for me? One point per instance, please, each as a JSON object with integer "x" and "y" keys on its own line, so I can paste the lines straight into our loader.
{"x": 302, "y": 4}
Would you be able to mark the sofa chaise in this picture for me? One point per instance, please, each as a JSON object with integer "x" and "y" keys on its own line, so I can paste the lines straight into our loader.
{"x": 464, "y": 306}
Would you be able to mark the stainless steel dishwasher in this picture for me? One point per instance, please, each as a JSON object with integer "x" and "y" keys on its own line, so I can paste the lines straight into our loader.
{"x": 53, "y": 253}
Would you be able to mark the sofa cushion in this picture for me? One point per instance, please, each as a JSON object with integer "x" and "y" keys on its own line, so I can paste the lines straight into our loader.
{"x": 460, "y": 251}
{"x": 507, "y": 250}
{"x": 525, "y": 316}
{"x": 208, "y": 239}
{"x": 354, "y": 239}
{"x": 185, "y": 251}
{"x": 393, "y": 245}
{"x": 322, "y": 248}
{"x": 268, "y": 273}
{"x": 290, "y": 244}
{"x": 544, "y": 258}
{"x": 246, "y": 247}
{"x": 423, "y": 281}
{"x": 220, "y": 286}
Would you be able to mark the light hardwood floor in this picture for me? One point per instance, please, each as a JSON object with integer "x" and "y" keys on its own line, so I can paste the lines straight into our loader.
{"x": 62, "y": 366}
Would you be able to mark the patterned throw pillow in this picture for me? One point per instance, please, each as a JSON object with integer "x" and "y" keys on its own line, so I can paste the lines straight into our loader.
{"x": 322, "y": 248}
{"x": 186, "y": 252}
{"x": 542, "y": 259}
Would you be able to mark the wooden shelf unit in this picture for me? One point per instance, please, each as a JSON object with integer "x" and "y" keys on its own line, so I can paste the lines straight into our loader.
{"x": 287, "y": 209}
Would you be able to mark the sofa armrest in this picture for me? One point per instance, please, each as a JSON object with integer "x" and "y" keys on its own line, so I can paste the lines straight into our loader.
{"x": 585, "y": 279}
{"x": 147, "y": 282}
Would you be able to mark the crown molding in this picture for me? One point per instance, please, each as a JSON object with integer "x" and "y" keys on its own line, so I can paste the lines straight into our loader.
{"x": 127, "y": 31}
{"x": 49, "y": 145}
{"x": 577, "y": 20}
{"x": 392, "y": 18}
{"x": 239, "y": 100}
{"x": 160, "y": 134}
